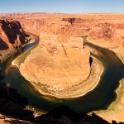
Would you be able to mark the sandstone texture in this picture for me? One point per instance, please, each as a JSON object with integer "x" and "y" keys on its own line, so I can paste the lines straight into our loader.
{"x": 11, "y": 34}
{"x": 105, "y": 29}
{"x": 60, "y": 45}
{"x": 57, "y": 66}
{"x": 12, "y": 37}
{"x": 57, "y": 59}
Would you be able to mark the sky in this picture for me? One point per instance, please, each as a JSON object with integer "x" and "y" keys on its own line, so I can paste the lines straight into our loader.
{"x": 62, "y": 6}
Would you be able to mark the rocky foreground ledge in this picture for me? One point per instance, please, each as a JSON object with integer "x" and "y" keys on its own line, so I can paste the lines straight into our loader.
{"x": 9, "y": 120}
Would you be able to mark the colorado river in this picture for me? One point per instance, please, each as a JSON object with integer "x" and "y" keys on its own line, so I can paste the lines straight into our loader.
{"x": 98, "y": 98}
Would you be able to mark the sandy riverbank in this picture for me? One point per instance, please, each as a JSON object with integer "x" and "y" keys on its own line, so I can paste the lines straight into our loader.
{"x": 115, "y": 110}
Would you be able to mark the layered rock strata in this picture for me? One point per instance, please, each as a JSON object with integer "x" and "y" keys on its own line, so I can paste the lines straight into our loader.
{"x": 12, "y": 36}
{"x": 57, "y": 66}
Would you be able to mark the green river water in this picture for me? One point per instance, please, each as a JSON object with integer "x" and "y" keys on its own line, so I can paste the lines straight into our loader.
{"x": 99, "y": 98}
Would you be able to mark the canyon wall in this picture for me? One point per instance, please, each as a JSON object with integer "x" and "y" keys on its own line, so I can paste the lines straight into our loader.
{"x": 11, "y": 34}
{"x": 107, "y": 28}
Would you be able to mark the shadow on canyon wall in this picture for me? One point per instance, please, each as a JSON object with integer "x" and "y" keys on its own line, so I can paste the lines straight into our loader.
{"x": 12, "y": 103}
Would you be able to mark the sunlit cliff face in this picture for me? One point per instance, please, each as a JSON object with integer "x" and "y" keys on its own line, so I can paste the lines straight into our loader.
{"x": 108, "y": 28}
{"x": 57, "y": 65}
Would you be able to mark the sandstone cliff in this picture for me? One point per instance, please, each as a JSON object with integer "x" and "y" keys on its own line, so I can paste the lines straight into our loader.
{"x": 105, "y": 28}
{"x": 12, "y": 36}
{"x": 62, "y": 29}
{"x": 57, "y": 66}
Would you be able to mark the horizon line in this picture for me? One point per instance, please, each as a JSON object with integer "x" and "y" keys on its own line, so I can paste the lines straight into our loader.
{"x": 61, "y": 12}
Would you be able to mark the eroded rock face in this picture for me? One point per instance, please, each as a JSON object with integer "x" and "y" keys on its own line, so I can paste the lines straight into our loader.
{"x": 11, "y": 34}
{"x": 57, "y": 66}
{"x": 105, "y": 31}
{"x": 106, "y": 27}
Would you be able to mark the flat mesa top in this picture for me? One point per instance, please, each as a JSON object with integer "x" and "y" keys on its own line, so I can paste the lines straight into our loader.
{"x": 57, "y": 65}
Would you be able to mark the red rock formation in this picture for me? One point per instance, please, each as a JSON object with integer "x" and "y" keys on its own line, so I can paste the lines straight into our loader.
{"x": 11, "y": 34}
{"x": 104, "y": 31}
